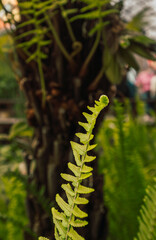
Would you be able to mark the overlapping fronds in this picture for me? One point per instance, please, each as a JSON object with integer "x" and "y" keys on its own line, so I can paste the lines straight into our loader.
{"x": 147, "y": 219}
{"x": 71, "y": 215}
{"x": 95, "y": 10}
{"x": 33, "y": 11}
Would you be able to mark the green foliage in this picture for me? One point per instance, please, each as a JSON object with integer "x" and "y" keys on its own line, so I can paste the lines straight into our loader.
{"x": 8, "y": 85}
{"x": 95, "y": 10}
{"x": 147, "y": 219}
{"x": 14, "y": 215}
{"x": 123, "y": 141}
{"x": 20, "y": 129}
{"x": 71, "y": 215}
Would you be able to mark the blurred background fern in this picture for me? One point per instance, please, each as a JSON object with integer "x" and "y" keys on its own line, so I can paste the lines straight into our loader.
{"x": 127, "y": 161}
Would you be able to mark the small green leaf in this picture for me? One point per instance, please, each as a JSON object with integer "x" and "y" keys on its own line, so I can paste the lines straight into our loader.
{"x": 78, "y": 223}
{"x": 57, "y": 237}
{"x": 84, "y": 190}
{"x": 70, "y": 198}
{"x": 90, "y": 147}
{"x": 63, "y": 205}
{"x": 80, "y": 200}
{"x": 60, "y": 228}
{"x": 74, "y": 169}
{"x": 89, "y": 158}
{"x": 67, "y": 188}
{"x": 86, "y": 126}
{"x": 68, "y": 177}
{"x": 92, "y": 109}
{"x": 77, "y": 212}
{"x": 56, "y": 214}
{"x": 86, "y": 169}
{"x": 74, "y": 235}
{"x": 81, "y": 149}
{"x": 84, "y": 137}
{"x": 85, "y": 175}
{"x": 25, "y": 23}
{"x": 77, "y": 157}
{"x": 89, "y": 117}
{"x": 25, "y": 5}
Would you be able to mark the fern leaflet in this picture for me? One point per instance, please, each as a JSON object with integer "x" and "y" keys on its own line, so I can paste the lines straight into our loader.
{"x": 147, "y": 219}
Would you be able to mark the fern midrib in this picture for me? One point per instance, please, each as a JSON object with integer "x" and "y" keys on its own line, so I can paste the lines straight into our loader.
{"x": 76, "y": 188}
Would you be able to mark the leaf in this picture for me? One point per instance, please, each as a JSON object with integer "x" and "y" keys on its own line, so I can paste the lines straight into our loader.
{"x": 89, "y": 158}
{"x": 84, "y": 137}
{"x": 25, "y": 34}
{"x": 60, "y": 228}
{"x": 93, "y": 15}
{"x": 85, "y": 175}
{"x": 86, "y": 126}
{"x": 56, "y": 214}
{"x": 74, "y": 235}
{"x": 78, "y": 223}
{"x": 127, "y": 57}
{"x": 20, "y": 129}
{"x": 43, "y": 238}
{"x": 81, "y": 149}
{"x": 86, "y": 169}
{"x": 56, "y": 234}
{"x": 31, "y": 21}
{"x": 70, "y": 198}
{"x": 63, "y": 205}
{"x": 32, "y": 57}
{"x": 77, "y": 157}
{"x": 91, "y": 147}
{"x": 77, "y": 212}
{"x": 89, "y": 117}
{"x": 141, "y": 50}
{"x": 67, "y": 188}
{"x": 68, "y": 177}
{"x": 80, "y": 200}
{"x": 143, "y": 40}
{"x": 67, "y": 12}
{"x": 25, "y": 5}
{"x": 111, "y": 66}
{"x": 74, "y": 169}
{"x": 84, "y": 190}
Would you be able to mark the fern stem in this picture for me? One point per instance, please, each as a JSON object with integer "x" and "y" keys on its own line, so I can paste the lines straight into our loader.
{"x": 90, "y": 55}
{"x": 69, "y": 28}
{"x": 42, "y": 80}
{"x": 76, "y": 188}
{"x": 58, "y": 41}
{"x": 96, "y": 80}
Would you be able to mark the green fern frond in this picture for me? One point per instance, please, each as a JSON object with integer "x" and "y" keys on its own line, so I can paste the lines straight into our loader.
{"x": 71, "y": 215}
{"x": 94, "y": 10}
{"x": 147, "y": 219}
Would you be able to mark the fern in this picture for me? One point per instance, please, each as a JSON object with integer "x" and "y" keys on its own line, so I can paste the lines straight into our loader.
{"x": 71, "y": 215}
{"x": 94, "y": 10}
{"x": 147, "y": 219}
{"x": 37, "y": 15}
{"x": 124, "y": 176}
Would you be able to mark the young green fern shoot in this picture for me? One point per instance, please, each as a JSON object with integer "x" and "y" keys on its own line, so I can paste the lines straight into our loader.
{"x": 71, "y": 215}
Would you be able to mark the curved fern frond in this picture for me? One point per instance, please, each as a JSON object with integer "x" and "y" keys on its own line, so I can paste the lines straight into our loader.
{"x": 71, "y": 215}
{"x": 147, "y": 219}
